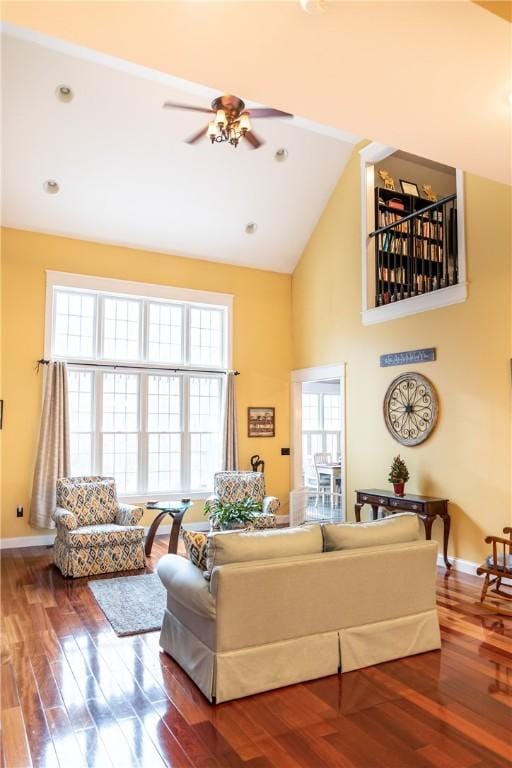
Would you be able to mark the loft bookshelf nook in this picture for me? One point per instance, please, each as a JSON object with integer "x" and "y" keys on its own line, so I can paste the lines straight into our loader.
{"x": 413, "y": 256}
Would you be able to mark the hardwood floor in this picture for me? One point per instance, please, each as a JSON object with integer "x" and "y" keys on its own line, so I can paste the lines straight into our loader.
{"x": 74, "y": 694}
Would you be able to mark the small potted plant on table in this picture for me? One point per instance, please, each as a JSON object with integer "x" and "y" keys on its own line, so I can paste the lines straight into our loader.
{"x": 232, "y": 515}
{"x": 398, "y": 475}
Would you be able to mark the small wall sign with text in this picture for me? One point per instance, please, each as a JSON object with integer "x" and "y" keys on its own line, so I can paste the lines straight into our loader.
{"x": 406, "y": 358}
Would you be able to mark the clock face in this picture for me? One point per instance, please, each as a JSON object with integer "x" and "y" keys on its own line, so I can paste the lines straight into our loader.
{"x": 410, "y": 408}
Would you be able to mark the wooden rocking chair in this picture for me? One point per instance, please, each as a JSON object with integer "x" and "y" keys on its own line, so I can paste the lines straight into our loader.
{"x": 499, "y": 566}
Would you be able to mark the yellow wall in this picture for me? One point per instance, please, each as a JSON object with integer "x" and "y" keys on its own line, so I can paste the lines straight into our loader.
{"x": 468, "y": 456}
{"x": 261, "y": 347}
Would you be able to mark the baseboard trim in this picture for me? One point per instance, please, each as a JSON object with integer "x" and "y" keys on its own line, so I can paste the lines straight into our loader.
{"x": 458, "y": 564}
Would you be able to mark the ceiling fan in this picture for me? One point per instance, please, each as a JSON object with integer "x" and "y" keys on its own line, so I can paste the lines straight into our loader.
{"x": 230, "y": 120}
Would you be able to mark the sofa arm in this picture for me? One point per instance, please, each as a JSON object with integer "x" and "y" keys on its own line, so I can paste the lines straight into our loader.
{"x": 186, "y": 584}
{"x": 271, "y": 505}
{"x": 63, "y": 518}
{"x": 128, "y": 514}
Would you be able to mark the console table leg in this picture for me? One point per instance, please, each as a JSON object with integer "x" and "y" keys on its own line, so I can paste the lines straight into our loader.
{"x": 357, "y": 510}
{"x": 175, "y": 532}
{"x": 152, "y": 532}
{"x": 375, "y": 511}
{"x": 446, "y": 524}
{"x": 427, "y": 522}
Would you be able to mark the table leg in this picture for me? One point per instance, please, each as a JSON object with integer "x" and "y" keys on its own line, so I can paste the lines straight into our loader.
{"x": 375, "y": 511}
{"x": 427, "y": 522}
{"x": 175, "y": 532}
{"x": 152, "y": 532}
{"x": 357, "y": 510}
{"x": 446, "y": 533}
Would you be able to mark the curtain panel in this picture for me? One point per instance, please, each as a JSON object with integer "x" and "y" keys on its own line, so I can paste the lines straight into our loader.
{"x": 53, "y": 452}
{"x": 230, "y": 458}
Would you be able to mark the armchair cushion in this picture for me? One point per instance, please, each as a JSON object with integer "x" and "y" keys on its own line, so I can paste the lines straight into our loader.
{"x": 91, "y": 499}
{"x": 128, "y": 514}
{"x": 103, "y": 535}
{"x": 63, "y": 518}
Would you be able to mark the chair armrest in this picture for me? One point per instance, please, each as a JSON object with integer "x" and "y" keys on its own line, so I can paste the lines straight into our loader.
{"x": 127, "y": 514}
{"x": 271, "y": 505}
{"x": 63, "y": 518}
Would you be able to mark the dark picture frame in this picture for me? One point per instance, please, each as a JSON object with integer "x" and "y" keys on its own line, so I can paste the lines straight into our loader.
{"x": 409, "y": 188}
{"x": 261, "y": 421}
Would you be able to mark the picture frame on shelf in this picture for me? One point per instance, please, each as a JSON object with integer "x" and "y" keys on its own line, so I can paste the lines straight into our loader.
{"x": 261, "y": 421}
{"x": 409, "y": 188}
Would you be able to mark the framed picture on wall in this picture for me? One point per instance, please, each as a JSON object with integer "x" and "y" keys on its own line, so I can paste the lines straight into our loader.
{"x": 261, "y": 422}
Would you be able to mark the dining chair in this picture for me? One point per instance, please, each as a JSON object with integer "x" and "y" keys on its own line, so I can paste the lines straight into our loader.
{"x": 322, "y": 480}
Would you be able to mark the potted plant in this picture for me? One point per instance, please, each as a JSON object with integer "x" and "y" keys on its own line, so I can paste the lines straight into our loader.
{"x": 398, "y": 475}
{"x": 230, "y": 515}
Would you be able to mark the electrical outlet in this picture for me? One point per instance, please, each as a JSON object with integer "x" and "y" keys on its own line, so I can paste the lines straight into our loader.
{"x": 19, "y": 511}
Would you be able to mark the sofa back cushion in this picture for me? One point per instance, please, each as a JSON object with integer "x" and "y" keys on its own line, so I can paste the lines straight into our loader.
{"x": 242, "y": 546}
{"x": 395, "y": 529}
{"x": 92, "y": 500}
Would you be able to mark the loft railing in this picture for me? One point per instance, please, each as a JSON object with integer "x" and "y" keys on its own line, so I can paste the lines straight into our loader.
{"x": 415, "y": 253}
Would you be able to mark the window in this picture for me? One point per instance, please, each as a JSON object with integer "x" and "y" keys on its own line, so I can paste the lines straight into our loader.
{"x": 155, "y": 430}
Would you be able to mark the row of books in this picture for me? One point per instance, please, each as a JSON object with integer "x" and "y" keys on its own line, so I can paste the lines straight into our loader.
{"x": 423, "y": 249}
{"x": 386, "y": 217}
{"x": 396, "y": 275}
{"x": 399, "y": 245}
{"x": 428, "y": 229}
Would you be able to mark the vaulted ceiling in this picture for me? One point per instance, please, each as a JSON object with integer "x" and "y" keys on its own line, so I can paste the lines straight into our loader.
{"x": 431, "y": 78}
{"x": 127, "y": 177}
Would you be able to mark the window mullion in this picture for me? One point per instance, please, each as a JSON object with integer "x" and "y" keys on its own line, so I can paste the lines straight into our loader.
{"x": 186, "y": 355}
{"x": 142, "y": 480}
{"x": 185, "y": 432}
{"x": 98, "y": 407}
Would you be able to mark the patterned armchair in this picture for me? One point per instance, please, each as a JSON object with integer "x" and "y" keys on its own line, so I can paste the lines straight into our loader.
{"x": 236, "y": 486}
{"x": 95, "y": 533}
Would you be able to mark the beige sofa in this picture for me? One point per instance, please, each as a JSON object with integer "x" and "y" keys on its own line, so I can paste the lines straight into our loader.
{"x": 287, "y": 605}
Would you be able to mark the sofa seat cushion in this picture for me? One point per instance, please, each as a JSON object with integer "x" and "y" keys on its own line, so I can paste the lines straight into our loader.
{"x": 103, "y": 535}
{"x": 242, "y": 546}
{"x": 396, "y": 529}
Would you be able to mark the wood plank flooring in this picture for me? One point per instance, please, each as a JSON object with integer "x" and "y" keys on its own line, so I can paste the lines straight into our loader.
{"x": 74, "y": 694}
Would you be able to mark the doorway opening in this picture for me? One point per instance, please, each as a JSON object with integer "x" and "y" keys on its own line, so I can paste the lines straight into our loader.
{"x": 318, "y": 444}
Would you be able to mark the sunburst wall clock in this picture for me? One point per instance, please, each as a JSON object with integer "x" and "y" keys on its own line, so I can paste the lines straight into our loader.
{"x": 410, "y": 408}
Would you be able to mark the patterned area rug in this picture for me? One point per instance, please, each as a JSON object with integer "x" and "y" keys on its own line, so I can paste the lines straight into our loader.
{"x": 132, "y": 604}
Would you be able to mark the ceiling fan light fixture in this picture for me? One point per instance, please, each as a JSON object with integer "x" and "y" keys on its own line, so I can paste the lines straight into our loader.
{"x": 245, "y": 123}
{"x": 220, "y": 118}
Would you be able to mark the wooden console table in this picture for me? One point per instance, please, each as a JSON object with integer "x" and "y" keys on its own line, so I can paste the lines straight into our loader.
{"x": 426, "y": 507}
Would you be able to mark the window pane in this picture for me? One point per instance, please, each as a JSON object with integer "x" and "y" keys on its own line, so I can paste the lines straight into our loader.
{"x": 74, "y": 324}
{"x": 121, "y": 329}
{"x": 206, "y": 340}
{"x": 310, "y": 412}
{"x": 165, "y": 333}
{"x": 80, "y": 386}
{"x": 164, "y": 404}
{"x": 204, "y": 459}
{"x": 204, "y": 404}
{"x": 120, "y": 402}
{"x": 120, "y": 459}
{"x": 332, "y": 444}
{"x": 164, "y": 462}
{"x": 332, "y": 412}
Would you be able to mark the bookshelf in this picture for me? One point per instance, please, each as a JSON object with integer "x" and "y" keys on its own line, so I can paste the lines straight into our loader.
{"x": 415, "y": 256}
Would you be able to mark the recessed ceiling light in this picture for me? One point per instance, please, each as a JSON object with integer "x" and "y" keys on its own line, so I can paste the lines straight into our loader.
{"x": 51, "y": 187}
{"x": 281, "y": 155}
{"x": 251, "y": 228}
{"x": 64, "y": 93}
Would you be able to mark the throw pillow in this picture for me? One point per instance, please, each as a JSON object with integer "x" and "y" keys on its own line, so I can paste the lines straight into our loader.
{"x": 195, "y": 546}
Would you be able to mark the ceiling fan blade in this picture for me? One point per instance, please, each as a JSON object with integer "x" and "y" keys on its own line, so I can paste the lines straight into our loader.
{"x": 267, "y": 112}
{"x": 196, "y": 136}
{"x": 175, "y": 105}
{"x": 253, "y": 139}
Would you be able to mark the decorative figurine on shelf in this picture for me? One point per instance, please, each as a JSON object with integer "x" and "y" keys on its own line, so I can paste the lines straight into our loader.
{"x": 398, "y": 475}
{"x": 257, "y": 464}
{"x": 427, "y": 191}
{"x": 388, "y": 181}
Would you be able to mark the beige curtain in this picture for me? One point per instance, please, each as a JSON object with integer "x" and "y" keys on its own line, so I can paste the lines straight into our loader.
{"x": 52, "y": 460}
{"x": 230, "y": 460}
